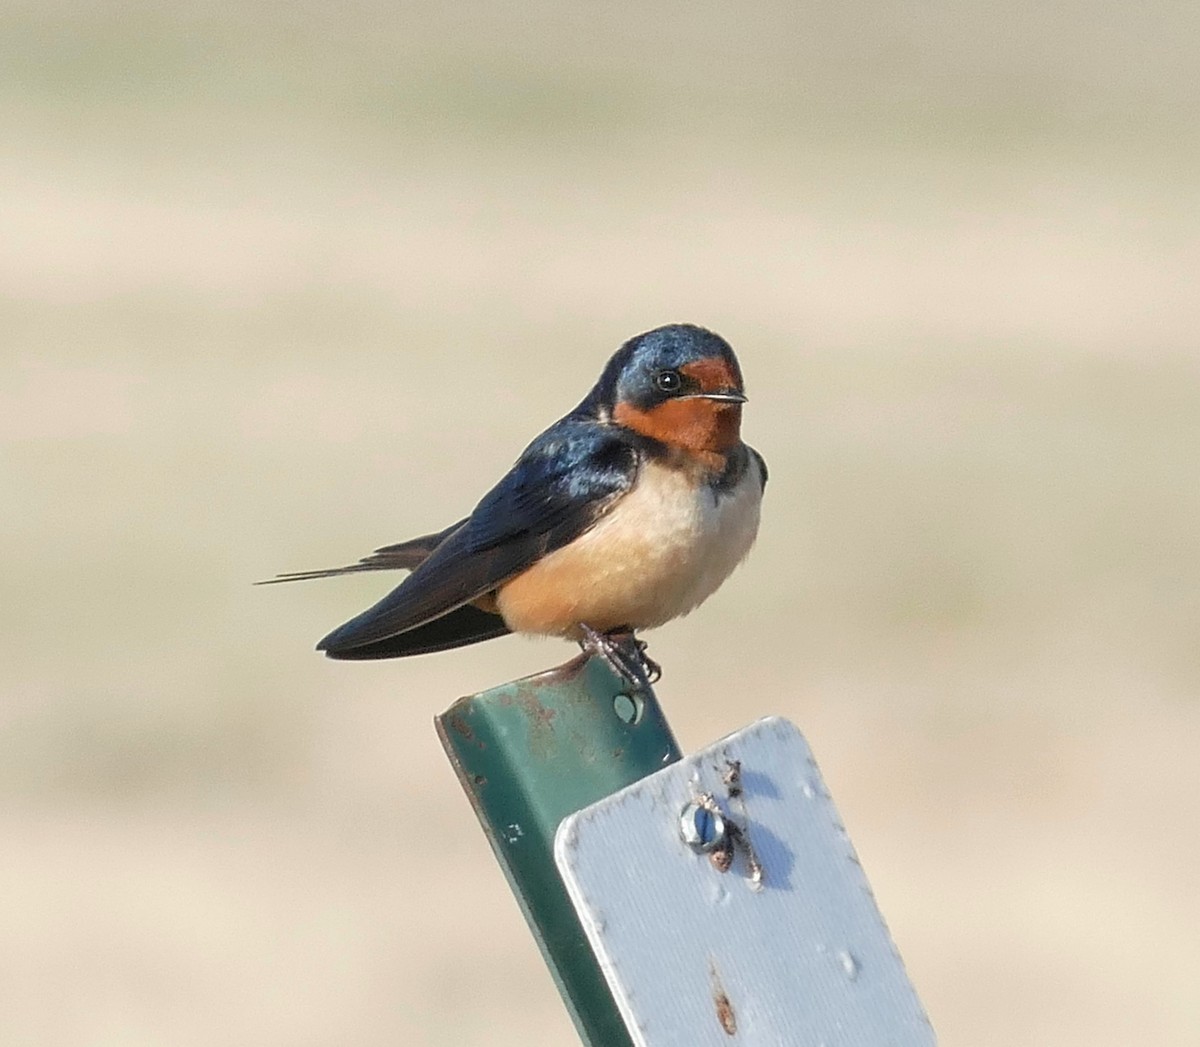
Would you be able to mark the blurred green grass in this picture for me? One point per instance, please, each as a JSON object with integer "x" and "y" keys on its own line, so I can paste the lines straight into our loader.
{"x": 281, "y": 284}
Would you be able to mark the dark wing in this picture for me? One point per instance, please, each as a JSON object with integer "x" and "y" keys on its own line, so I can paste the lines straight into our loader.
{"x": 466, "y": 625}
{"x": 403, "y": 556}
{"x": 762, "y": 464}
{"x": 563, "y": 482}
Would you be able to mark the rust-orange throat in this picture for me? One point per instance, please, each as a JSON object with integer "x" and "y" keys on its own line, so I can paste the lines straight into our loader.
{"x": 694, "y": 423}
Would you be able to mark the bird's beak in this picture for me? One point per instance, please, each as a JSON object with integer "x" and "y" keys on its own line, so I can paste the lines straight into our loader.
{"x": 725, "y": 396}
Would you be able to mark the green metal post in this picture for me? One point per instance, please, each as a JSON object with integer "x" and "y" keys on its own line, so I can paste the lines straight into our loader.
{"x": 530, "y": 752}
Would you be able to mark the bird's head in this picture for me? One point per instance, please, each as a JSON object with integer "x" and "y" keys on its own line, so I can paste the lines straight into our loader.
{"x": 680, "y": 385}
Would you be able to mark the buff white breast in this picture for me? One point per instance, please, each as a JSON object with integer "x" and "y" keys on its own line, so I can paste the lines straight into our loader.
{"x": 662, "y": 550}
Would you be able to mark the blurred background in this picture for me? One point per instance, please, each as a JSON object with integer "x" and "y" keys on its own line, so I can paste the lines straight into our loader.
{"x": 283, "y": 283}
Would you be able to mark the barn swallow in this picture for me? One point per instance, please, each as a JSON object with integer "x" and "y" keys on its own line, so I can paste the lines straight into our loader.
{"x": 628, "y": 512}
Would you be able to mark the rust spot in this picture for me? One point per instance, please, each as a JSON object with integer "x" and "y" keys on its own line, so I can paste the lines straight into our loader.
{"x": 480, "y": 780}
{"x": 722, "y": 857}
{"x": 460, "y": 726}
{"x": 739, "y": 840}
{"x": 725, "y": 1016}
{"x": 539, "y": 717}
{"x": 733, "y": 778}
{"x": 618, "y": 753}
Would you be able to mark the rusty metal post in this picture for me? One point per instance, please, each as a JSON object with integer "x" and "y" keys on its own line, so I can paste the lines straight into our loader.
{"x": 528, "y": 754}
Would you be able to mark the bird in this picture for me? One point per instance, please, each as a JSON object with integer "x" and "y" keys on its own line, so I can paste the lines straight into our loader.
{"x": 626, "y": 513}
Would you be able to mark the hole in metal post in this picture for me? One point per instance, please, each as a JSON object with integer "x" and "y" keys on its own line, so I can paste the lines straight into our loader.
{"x": 628, "y": 708}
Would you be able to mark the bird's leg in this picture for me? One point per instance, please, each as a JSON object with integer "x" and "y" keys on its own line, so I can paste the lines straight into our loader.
{"x": 651, "y": 671}
{"x": 625, "y": 636}
{"x": 624, "y": 654}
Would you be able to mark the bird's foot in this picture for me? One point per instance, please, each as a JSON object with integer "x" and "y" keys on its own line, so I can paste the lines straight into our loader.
{"x": 624, "y": 653}
{"x": 651, "y": 668}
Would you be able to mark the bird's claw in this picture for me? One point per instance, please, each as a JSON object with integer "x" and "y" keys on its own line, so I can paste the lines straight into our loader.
{"x": 624, "y": 653}
{"x": 651, "y": 668}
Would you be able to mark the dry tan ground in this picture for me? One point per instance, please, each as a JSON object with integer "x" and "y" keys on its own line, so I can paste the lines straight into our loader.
{"x": 278, "y": 285}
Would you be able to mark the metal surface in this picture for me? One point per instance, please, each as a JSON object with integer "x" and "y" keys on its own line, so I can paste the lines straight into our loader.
{"x": 774, "y": 940}
{"x": 528, "y": 754}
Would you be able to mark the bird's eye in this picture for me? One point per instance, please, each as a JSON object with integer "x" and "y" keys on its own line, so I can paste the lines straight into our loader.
{"x": 668, "y": 381}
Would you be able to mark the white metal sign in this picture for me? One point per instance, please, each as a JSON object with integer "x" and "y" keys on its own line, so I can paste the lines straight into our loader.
{"x": 727, "y": 906}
